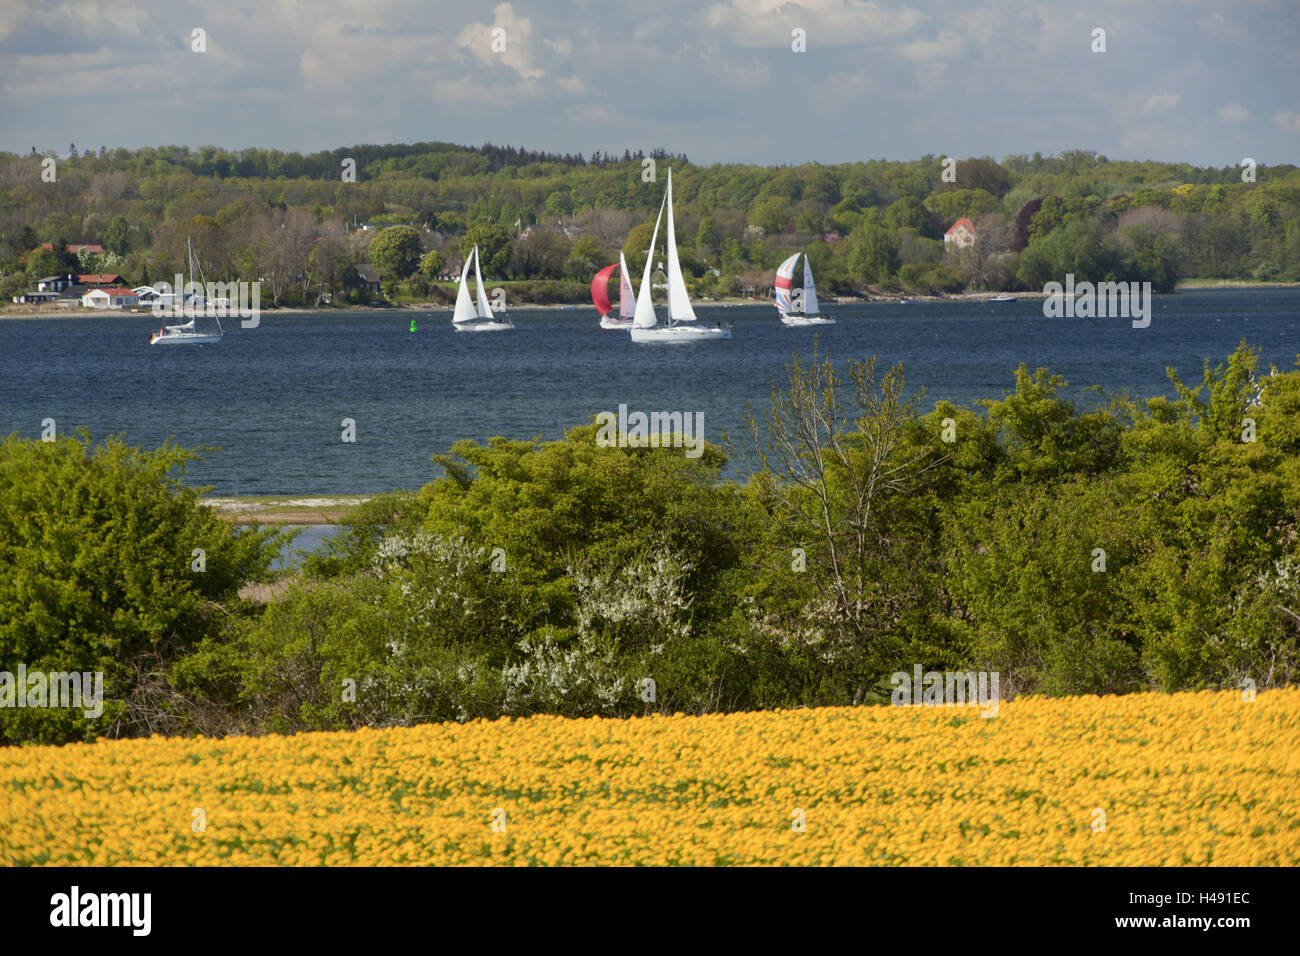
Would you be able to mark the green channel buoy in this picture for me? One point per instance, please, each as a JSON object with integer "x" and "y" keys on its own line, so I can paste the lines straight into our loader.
{"x": 413, "y": 325}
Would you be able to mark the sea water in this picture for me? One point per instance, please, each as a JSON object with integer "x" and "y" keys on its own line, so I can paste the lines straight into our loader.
{"x": 270, "y": 403}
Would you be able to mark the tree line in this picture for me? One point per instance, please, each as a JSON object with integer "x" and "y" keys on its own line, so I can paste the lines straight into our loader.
{"x": 867, "y": 226}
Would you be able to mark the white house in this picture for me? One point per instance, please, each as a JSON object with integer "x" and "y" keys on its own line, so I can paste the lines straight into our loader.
{"x": 960, "y": 234}
{"x": 109, "y": 299}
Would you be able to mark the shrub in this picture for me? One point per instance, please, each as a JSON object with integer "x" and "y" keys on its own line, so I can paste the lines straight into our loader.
{"x": 109, "y": 564}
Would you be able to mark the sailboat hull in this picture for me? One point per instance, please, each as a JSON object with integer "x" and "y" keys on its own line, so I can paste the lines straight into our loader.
{"x": 795, "y": 320}
{"x": 185, "y": 338}
{"x": 482, "y": 326}
{"x": 611, "y": 322}
{"x": 677, "y": 334}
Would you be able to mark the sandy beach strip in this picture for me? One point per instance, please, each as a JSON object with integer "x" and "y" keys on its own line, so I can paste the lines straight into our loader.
{"x": 285, "y": 509}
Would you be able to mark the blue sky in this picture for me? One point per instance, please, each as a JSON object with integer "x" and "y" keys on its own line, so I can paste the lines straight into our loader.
{"x": 1200, "y": 81}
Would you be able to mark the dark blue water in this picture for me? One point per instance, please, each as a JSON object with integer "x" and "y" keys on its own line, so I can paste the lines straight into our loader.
{"x": 272, "y": 398}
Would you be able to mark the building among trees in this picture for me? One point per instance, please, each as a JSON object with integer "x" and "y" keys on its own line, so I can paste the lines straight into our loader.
{"x": 960, "y": 234}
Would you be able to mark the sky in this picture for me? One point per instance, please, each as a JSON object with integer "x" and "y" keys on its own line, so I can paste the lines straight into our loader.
{"x": 1201, "y": 81}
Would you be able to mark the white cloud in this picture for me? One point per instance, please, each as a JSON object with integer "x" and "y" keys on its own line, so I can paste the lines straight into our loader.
{"x": 75, "y": 17}
{"x": 480, "y": 39}
{"x": 751, "y": 75}
{"x": 1160, "y": 101}
{"x": 353, "y": 60}
{"x": 1288, "y": 121}
{"x": 1233, "y": 113}
{"x": 12, "y": 16}
{"x": 98, "y": 72}
{"x": 828, "y": 23}
{"x": 946, "y": 46}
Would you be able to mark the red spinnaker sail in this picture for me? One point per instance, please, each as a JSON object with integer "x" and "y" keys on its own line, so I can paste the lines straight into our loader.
{"x": 600, "y": 289}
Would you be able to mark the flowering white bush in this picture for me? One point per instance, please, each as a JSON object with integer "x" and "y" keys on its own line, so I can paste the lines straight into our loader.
{"x": 1283, "y": 578}
{"x": 437, "y": 576}
{"x": 576, "y": 679}
{"x": 650, "y": 592}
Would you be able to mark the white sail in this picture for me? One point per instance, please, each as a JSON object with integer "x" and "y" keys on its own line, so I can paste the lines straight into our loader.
{"x": 645, "y": 308}
{"x": 464, "y": 304}
{"x": 679, "y": 301}
{"x": 626, "y": 300}
{"x": 484, "y": 310}
{"x": 809, "y": 290}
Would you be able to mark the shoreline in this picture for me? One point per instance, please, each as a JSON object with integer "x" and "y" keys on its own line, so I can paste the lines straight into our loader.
{"x": 57, "y": 312}
{"x": 284, "y": 509}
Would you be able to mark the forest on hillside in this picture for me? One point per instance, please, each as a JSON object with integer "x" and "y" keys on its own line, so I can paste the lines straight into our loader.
{"x": 292, "y": 220}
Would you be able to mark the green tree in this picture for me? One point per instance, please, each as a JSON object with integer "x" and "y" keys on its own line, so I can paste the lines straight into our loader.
{"x": 431, "y": 264}
{"x": 41, "y": 263}
{"x": 910, "y": 213}
{"x": 982, "y": 174}
{"x": 873, "y": 251}
{"x": 559, "y": 204}
{"x": 771, "y": 214}
{"x": 585, "y": 259}
{"x": 638, "y": 241}
{"x": 27, "y": 239}
{"x": 109, "y": 564}
{"x": 834, "y": 465}
{"x": 117, "y": 237}
{"x": 709, "y": 236}
{"x": 541, "y": 255}
{"x": 394, "y": 251}
{"x": 951, "y": 206}
{"x": 330, "y": 263}
{"x": 494, "y": 247}
{"x": 1073, "y": 249}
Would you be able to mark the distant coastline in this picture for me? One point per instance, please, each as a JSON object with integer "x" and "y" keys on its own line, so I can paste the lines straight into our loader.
{"x": 53, "y": 311}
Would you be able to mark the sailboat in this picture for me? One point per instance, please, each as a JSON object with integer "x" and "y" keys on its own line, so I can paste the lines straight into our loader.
{"x": 471, "y": 318}
{"x": 187, "y": 334}
{"x": 796, "y": 308}
{"x": 626, "y": 300}
{"x": 680, "y": 326}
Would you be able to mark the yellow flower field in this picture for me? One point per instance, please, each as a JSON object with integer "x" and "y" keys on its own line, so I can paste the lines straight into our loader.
{"x": 1204, "y": 778}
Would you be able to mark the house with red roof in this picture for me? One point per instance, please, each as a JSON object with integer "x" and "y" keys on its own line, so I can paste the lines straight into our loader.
{"x": 104, "y": 278}
{"x": 111, "y": 298}
{"x": 960, "y": 234}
